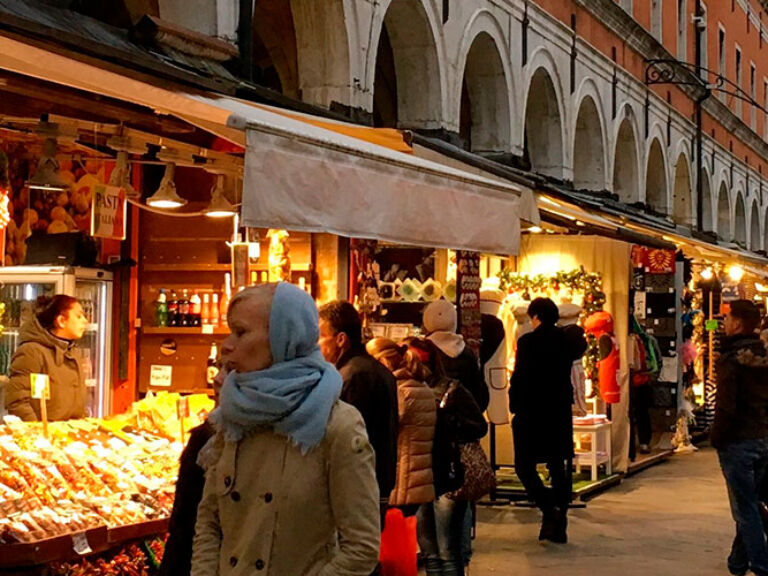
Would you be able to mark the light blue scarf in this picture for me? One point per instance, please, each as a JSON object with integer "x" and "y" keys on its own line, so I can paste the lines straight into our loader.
{"x": 296, "y": 394}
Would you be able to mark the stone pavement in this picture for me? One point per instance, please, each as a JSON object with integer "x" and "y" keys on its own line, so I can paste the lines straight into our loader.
{"x": 672, "y": 519}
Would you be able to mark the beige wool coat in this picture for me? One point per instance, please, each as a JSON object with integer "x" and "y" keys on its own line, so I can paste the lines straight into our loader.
{"x": 268, "y": 509}
{"x": 418, "y": 414}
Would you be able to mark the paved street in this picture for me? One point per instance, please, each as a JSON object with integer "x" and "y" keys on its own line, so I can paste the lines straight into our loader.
{"x": 672, "y": 519}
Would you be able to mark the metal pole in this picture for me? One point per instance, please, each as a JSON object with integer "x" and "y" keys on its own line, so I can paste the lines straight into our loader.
{"x": 699, "y": 136}
{"x": 245, "y": 38}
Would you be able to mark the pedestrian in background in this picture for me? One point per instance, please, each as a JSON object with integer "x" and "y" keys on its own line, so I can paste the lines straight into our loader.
{"x": 417, "y": 416}
{"x": 367, "y": 385}
{"x": 540, "y": 398}
{"x": 440, "y": 526}
{"x": 290, "y": 484}
{"x": 740, "y": 432}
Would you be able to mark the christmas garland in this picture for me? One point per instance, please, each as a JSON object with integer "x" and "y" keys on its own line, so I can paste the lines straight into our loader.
{"x": 577, "y": 280}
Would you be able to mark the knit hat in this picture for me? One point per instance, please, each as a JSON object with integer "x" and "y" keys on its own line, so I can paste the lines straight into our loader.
{"x": 440, "y": 316}
{"x": 490, "y": 300}
{"x": 569, "y": 313}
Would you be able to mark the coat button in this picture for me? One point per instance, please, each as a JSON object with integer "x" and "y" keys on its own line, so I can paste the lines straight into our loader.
{"x": 233, "y": 561}
{"x": 236, "y": 496}
{"x": 268, "y": 497}
{"x": 259, "y": 564}
{"x": 227, "y": 481}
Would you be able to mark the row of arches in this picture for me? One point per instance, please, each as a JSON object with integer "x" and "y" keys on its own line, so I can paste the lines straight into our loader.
{"x": 409, "y": 81}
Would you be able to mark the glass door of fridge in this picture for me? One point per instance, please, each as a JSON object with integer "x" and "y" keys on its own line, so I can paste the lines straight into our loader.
{"x": 94, "y": 346}
{"x": 20, "y": 297}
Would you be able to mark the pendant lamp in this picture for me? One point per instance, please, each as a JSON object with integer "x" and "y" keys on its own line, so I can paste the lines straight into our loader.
{"x": 166, "y": 196}
{"x": 121, "y": 176}
{"x": 47, "y": 175}
{"x": 219, "y": 207}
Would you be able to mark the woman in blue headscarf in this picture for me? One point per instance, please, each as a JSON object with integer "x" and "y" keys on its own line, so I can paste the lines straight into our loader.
{"x": 290, "y": 482}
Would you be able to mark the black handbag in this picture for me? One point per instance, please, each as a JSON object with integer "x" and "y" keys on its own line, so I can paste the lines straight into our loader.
{"x": 446, "y": 454}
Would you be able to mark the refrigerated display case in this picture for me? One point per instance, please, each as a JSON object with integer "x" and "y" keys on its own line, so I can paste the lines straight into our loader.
{"x": 21, "y": 286}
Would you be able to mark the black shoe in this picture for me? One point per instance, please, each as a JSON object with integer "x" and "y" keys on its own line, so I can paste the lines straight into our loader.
{"x": 560, "y": 532}
{"x": 547, "y": 531}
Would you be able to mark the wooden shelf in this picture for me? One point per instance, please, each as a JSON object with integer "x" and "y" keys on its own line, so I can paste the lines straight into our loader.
{"x": 173, "y": 330}
{"x": 160, "y": 267}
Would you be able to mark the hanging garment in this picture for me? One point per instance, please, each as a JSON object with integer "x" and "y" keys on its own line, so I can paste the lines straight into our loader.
{"x": 600, "y": 325}
{"x": 579, "y": 383}
{"x": 493, "y": 358}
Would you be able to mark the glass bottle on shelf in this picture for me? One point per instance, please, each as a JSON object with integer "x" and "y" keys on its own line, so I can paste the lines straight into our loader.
{"x": 214, "y": 317}
{"x": 205, "y": 310}
{"x": 226, "y": 295}
{"x": 161, "y": 309}
{"x": 184, "y": 308}
{"x": 173, "y": 310}
{"x": 212, "y": 366}
{"x": 195, "y": 309}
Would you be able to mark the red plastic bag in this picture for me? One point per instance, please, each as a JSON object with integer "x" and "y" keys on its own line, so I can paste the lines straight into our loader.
{"x": 398, "y": 545}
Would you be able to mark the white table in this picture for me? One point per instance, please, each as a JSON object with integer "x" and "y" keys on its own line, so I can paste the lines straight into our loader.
{"x": 600, "y": 447}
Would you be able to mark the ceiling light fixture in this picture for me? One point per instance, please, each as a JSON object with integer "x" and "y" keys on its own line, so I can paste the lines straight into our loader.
{"x": 219, "y": 207}
{"x": 736, "y": 273}
{"x": 166, "y": 196}
{"x": 121, "y": 176}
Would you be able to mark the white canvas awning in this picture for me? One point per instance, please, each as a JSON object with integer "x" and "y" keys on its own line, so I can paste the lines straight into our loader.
{"x": 302, "y": 176}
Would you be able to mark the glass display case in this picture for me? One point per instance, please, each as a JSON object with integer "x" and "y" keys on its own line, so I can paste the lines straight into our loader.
{"x": 20, "y": 288}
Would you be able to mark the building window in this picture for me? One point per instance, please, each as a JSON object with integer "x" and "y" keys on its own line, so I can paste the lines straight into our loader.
{"x": 739, "y": 107}
{"x": 701, "y": 31}
{"x": 765, "y": 108}
{"x": 753, "y": 95}
{"x": 721, "y": 71}
{"x": 656, "y": 27}
{"x": 682, "y": 30}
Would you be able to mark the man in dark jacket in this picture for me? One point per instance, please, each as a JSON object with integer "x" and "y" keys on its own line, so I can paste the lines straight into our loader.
{"x": 368, "y": 386}
{"x": 540, "y": 397}
{"x": 740, "y": 432}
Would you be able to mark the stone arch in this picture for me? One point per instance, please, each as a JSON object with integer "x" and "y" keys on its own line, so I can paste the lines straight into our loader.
{"x": 275, "y": 47}
{"x": 324, "y": 51}
{"x": 485, "y": 109}
{"x": 740, "y": 220}
{"x": 408, "y": 89}
{"x": 682, "y": 197}
{"x": 626, "y": 160}
{"x": 707, "y": 202}
{"x": 754, "y": 228}
{"x": 656, "y": 187}
{"x": 486, "y": 65}
{"x": 765, "y": 230}
{"x": 544, "y": 126}
{"x": 589, "y": 162}
{"x": 724, "y": 213}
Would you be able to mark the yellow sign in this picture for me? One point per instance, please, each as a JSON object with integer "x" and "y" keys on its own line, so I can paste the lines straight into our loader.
{"x": 41, "y": 386}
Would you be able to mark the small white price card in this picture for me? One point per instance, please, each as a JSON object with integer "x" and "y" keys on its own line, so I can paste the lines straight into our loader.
{"x": 80, "y": 543}
{"x": 207, "y": 328}
{"x": 182, "y": 407}
{"x": 160, "y": 375}
{"x": 41, "y": 386}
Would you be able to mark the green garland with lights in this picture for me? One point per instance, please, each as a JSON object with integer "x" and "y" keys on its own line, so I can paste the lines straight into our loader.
{"x": 577, "y": 280}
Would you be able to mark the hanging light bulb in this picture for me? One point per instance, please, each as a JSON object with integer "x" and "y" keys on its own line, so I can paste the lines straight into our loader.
{"x": 121, "y": 176}
{"x": 47, "y": 175}
{"x": 736, "y": 273}
{"x": 707, "y": 274}
{"x": 166, "y": 196}
{"x": 219, "y": 207}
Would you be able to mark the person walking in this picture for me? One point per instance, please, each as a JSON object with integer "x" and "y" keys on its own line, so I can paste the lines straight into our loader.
{"x": 740, "y": 432}
{"x": 367, "y": 385}
{"x": 290, "y": 484}
{"x": 417, "y": 416}
{"x": 457, "y": 359}
{"x": 177, "y": 558}
{"x": 540, "y": 398}
{"x": 440, "y": 525}
{"x": 47, "y": 345}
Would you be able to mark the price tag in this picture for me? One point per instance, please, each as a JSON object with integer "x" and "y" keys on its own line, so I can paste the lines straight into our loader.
{"x": 160, "y": 375}
{"x": 207, "y": 328}
{"x": 80, "y": 543}
{"x": 182, "y": 407}
{"x": 90, "y": 382}
{"x": 41, "y": 386}
{"x": 711, "y": 325}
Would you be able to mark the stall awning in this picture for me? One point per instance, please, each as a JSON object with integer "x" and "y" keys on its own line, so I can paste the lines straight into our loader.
{"x": 306, "y": 174}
